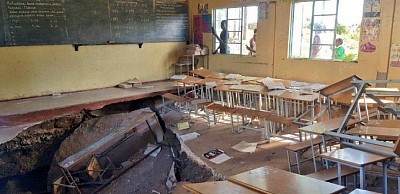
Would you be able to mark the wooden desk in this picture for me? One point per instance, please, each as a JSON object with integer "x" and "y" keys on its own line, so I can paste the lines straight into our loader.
{"x": 188, "y": 80}
{"x": 232, "y": 96}
{"x": 301, "y": 104}
{"x": 384, "y": 123}
{"x": 375, "y": 131}
{"x": 338, "y": 86}
{"x": 320, "y": 129}
{"x": 203, "y": 72}
{"x": 272, "y": 180}
{"x": 325, "y": 126}
{"x": 218, "y": 187}
{"x": 357, "y": 159}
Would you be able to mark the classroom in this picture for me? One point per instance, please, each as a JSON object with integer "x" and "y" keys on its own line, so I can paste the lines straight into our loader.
{"x": 199, "y": 96}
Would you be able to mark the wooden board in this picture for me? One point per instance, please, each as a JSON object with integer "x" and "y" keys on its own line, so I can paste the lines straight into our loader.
{"x": 325, "y": 126}
{"x": 272, "y": 180}
{"x": 375, "y": 131}
{"x": 223, "y": 187}
{"x": 336, "y": 87}
{"x": 353, "y": 157}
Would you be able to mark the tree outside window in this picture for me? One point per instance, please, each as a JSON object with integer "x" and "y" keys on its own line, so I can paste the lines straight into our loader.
{"x": 319, "y": 26}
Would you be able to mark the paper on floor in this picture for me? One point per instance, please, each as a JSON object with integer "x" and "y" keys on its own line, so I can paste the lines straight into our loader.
{"x": 244, "y": 146}
{"x": 190, "y": 136}
{"x": 151, "y": 147}
{"x": 221, "y": 158}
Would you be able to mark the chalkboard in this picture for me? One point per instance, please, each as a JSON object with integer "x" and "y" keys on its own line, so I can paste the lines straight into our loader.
{"x": 48, "y": 22}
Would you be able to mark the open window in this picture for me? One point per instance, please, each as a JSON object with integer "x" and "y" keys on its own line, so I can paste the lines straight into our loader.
{"x": 326, "y": 29}
{"x": 241, "y": 22}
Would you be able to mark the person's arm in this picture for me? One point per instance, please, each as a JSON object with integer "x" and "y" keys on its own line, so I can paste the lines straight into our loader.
{"x": 216, "y": 35}
{"x": 250, "y": 49}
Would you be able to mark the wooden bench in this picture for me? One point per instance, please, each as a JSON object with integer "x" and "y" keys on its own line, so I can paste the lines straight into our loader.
{"x": 217, "y": 108}
{"x": 300, "y": 148}
{"x": 178, "y": 99}
{"x": 331, "y": 174}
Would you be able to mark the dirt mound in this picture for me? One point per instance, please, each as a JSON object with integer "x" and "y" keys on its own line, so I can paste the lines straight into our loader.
{"x": 34, "y": 147}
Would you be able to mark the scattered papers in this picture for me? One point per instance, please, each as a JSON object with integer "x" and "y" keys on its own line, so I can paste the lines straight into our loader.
{"x": 244, "y": 146}
{"x": 317, "y": 86}
{"x": 133, "y": 81}
{"x": 216, "y": 156}
{"x": 178, "y": 77}
{"x": 124, "y": 85}
{"x": 275, "y": 85}
{"x": 276, "y": 92}
{"x": 234, "y": 76}
{"x": 306, "y": 90}
{"x": 233, "y": 82}
{"x": 247, "y": 78}
{"x": 298, "y": 84}
{"x": 210, "y": 85}
{"x": 221, "y": 158}
{"x": 182, "y": 126}
{"x": 254, "y": 88}
{"x": 151, "y": 147}
{"x": 189, "y": 136}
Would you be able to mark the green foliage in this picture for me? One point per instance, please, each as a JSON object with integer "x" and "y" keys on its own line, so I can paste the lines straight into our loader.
{"x": 350, "y": 57}
{"x": 340, "y": 29}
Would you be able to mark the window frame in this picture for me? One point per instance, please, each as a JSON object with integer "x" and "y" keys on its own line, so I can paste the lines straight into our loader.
{"x": 241, "y": 33}
{"x": 313, "y": 30}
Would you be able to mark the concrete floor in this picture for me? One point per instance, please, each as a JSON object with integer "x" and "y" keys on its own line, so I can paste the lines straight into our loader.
{"x": 220, "y": 136}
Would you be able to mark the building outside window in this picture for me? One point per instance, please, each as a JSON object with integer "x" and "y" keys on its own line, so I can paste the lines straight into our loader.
{"x": 241, "y": 23}
{"x": 317, "y": 25}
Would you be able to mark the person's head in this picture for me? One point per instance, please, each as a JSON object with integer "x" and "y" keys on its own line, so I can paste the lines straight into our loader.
{"x": 224, "y": 24}
{"x": 255, "y": 34}
{"x": 339, "y": 41}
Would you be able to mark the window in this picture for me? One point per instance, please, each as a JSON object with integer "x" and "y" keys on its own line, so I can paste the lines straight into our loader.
{"x": 319, "y": 26}
{"x": 240, "y": 25}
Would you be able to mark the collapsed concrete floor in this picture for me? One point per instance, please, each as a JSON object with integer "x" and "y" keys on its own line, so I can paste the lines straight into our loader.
{"x": 152, "y": 174}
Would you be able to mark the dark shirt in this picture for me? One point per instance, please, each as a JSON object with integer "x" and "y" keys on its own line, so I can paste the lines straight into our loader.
{"x": 223, "y": 48}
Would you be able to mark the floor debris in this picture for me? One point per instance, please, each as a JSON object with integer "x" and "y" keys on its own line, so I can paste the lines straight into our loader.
{"x": 189, "y": 136}
{"x": 244, "y": 146}
{"x": 151, "y": 147}
{"x": 216, "y": 156}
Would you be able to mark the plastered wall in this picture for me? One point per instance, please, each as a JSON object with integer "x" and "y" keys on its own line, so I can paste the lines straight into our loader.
{"x": 273, "y": 41}
{"x": 42, "y": 70}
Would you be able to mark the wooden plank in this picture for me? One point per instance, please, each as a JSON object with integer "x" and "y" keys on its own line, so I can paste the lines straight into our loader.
{"x": 190, "y": 80}
{"x": 332, "y": 173}
{"x": 375, "y": 131}
{"x": 31, "y": 110}
{"x": 337, "y": 86}
{"x": 325, "y": 126}
{"x": 353, "y": 157}
{"x": 272, "y": 180}
{"x": 225, "y": 187}
{"x": 296, "y": 96}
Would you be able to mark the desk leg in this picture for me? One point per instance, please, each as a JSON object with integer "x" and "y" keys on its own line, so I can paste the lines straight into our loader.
{"x": 339, "y": 167}
{"x": 384, "y": 171}
{"x": 313, "y": 155}
{"x": 362, "y": 178}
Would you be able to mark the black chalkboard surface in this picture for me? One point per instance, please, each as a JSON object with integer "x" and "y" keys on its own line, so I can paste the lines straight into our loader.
{"x": 48, "y": 22}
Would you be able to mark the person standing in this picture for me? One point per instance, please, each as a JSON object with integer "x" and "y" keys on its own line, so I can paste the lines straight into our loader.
{"x": 252, "y": 48}
{"x": 222, "y": 38}
{"x": 339, "y": 51}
